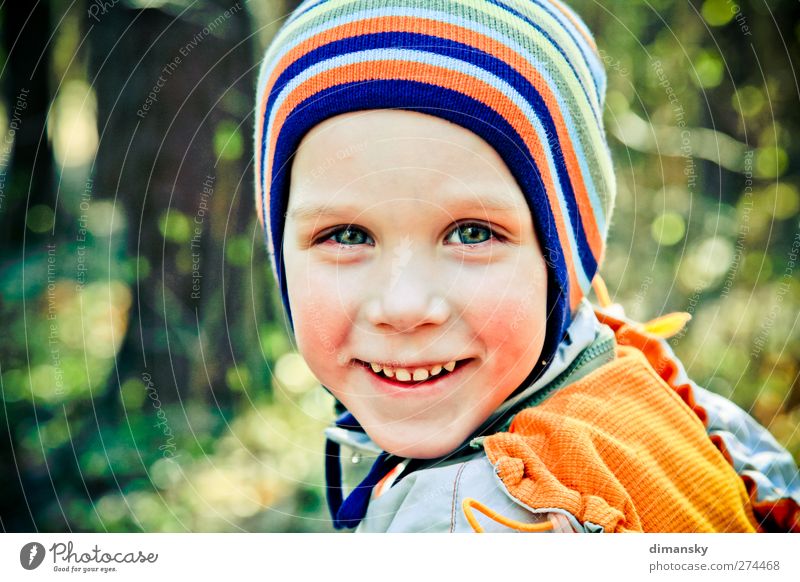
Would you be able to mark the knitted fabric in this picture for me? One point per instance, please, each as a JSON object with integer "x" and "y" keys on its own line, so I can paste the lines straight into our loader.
{"x": 778, "y": 511}
{"x": 631, "y": 458}
{"x": 524, "y": 75}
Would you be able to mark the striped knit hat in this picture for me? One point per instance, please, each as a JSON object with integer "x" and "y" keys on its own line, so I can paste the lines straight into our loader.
{"x": 524, "y": 75}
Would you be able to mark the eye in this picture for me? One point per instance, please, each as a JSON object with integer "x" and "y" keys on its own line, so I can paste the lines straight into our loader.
{"x": 470, "y": 233}
{"x": 348, "y": 236}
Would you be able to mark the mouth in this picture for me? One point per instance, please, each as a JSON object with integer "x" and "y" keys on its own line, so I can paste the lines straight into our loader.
{"x": 413, "y": 376}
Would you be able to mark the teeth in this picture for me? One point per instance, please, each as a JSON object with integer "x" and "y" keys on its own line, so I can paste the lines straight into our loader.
{"x": 420, "y": 374}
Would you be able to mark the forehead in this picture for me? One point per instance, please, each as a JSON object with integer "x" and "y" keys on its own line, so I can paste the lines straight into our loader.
{"x": 368, "y": 157}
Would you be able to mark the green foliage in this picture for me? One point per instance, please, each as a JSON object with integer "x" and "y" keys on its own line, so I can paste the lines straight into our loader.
{"x": 175, "y": 226}
{"x": 228, "y": 141}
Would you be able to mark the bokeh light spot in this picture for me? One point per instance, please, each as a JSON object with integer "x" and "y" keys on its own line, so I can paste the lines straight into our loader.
{"x": 717, "y": 12}
{"x": 40, "y": 218}
{"x": 668, "y": 228}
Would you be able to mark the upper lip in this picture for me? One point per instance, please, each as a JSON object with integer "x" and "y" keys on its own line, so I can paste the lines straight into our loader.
{"x": 403, "y": 364}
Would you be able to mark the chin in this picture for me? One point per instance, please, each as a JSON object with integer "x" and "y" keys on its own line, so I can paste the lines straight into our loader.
{"x": 431, "y": 448}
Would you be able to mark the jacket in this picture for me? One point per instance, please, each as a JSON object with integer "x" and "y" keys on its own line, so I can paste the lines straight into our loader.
{"x": 614, "y": 437}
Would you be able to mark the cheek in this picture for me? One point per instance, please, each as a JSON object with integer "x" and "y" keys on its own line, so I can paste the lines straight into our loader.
{"x": 321, "y": 321}
{"x": 510, "y": 317}
{"x": 515, "y": 325}
{"x": 316, "y": 328}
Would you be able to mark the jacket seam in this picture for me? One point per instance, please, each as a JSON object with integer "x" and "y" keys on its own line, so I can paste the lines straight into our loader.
{"x": 456, "y": 483}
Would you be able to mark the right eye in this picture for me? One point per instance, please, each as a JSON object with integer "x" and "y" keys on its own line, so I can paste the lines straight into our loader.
{"x": 348, "y": 236}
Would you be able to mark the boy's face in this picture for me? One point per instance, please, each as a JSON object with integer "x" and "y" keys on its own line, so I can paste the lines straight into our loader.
{"x": 408, "y": 245}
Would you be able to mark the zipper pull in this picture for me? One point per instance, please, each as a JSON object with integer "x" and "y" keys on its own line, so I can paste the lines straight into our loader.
{"x": 477, "y": 442}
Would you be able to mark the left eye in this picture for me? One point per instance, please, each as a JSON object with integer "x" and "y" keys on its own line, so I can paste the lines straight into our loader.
{"x": 351, "y": 235}
{"x": 469, "y": 234}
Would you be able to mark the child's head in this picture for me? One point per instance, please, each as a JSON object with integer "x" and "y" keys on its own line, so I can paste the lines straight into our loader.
{"x": 436, "y": 185}
{"x": 413, "y": 250}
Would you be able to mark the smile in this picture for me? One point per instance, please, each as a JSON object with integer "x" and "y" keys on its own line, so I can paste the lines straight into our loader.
{"x": 413, "y": 375}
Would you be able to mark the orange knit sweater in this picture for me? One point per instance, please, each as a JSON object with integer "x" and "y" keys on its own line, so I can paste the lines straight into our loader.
{"x": 622, "y": 449}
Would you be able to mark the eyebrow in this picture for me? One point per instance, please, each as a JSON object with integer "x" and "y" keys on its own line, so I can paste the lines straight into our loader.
{"x": 486, "y": 203}
{"x": 311, "y": 210}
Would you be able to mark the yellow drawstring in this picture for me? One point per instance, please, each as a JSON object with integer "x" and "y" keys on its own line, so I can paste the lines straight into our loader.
{"x": 664, "y": 326}
{"x": 667, "y": 325}
{"x": 469, "y": 504}
{"x": 601, "y": 291}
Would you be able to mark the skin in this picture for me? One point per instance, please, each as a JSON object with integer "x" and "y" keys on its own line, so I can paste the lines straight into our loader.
{"x": 408, "y": 241}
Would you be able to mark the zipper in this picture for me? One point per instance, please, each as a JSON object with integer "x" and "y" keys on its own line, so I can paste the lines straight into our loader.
{"x": 586, "y": 356}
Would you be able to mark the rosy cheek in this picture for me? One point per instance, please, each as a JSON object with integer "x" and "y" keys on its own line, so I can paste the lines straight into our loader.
{"x": 320, "y": 327}
{"x": 511, "y": 323}
{"x": 502, "y": 329}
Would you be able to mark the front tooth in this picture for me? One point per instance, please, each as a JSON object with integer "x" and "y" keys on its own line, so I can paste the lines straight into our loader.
{"x": 450, "y": 366}
{"x": 402, "y": 374}
{"x": 420, "y": 374}
{"x": 375, "y": 368}
{"x": 389, "y": 372}
{"x": 435, "y": 370}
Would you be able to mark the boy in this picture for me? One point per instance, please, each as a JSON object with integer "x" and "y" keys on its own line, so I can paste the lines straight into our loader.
{"x": 436, "y": 188}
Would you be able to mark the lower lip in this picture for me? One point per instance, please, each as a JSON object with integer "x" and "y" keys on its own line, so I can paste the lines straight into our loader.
{"x": 395, "y": 386}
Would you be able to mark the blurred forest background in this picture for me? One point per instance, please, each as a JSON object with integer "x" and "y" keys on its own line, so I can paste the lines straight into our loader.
{"x": 147, "y": 378}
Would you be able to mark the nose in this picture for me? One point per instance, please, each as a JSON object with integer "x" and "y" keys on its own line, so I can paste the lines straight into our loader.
{"x": 407, "y": 300}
